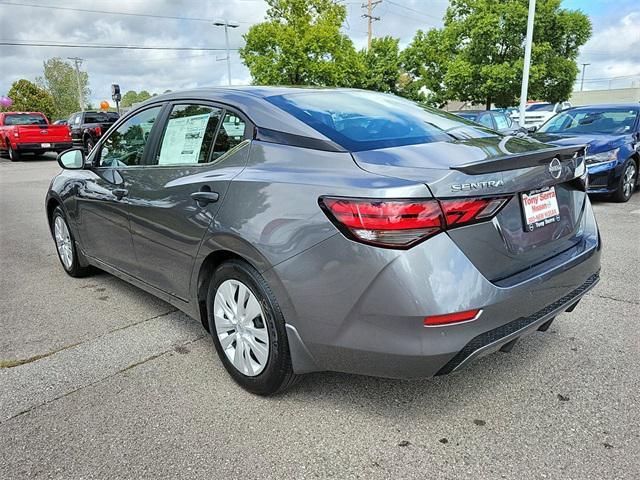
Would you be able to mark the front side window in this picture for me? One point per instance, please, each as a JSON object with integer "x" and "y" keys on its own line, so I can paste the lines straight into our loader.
{"x": 189, "y": 135}
{"x": 125, "y": 145}
{"x": 485, "y": 119}
{"x": 359, "y": 120}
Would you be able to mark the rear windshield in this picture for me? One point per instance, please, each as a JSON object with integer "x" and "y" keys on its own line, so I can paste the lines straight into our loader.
{"x": 24, "y": 119}
{"x": 360, "y": 120}
{"x": 100, "y": 117}
{"x": 540, "y": 107}
{"x": 614, "y": 121}
{"x": 468, "y": 116}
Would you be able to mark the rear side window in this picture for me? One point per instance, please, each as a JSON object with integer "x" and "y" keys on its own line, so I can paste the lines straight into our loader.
{"x": 189, "y": 135}
{"x": 502, "y": 122}
{"x": 230, "y": 134}
{"x": 24, "y": 119}
{"x": 361, "y": 120}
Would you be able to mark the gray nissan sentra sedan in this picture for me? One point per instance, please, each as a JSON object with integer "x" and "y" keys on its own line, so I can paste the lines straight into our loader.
{"x": 331, "y": 229}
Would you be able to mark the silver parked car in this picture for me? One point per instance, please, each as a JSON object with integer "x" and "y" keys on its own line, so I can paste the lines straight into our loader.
{"x": 331, "y": 229}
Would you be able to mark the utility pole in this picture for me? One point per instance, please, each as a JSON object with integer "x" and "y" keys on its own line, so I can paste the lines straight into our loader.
{"x": 227, "y": 26}
{"x": 78, "y": 61}
{"x": 584, "y": 67}
{"x": 370, "y": 19}
{"x": 527, "y": 61}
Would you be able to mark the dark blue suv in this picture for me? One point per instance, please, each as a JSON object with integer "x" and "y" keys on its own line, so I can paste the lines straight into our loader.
{"x": 612, "y": 133}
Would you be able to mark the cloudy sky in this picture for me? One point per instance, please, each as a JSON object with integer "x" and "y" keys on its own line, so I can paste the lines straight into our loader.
{"x": 613, "y": 51}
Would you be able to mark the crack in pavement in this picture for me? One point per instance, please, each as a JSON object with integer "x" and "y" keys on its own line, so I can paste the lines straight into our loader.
{"x": 23, "y": 361}
{"x": 607, "y": 297}
{"x": 125, "y": 369}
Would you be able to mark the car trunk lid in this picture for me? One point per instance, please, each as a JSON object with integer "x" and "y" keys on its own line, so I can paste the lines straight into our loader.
{"x": 495, "y": 167}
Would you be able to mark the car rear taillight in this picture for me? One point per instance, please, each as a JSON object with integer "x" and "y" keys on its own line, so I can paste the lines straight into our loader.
{"x": 402, "y": 223}
{"x": 465, "y": 211}
{"x": 390, "y": 223}
{"x": 97, "y": 131}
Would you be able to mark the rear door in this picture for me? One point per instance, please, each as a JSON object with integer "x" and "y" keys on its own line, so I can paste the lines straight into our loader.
{"x": 199, "y": 150}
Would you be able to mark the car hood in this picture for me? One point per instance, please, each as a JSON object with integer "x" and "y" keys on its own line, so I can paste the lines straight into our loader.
{"x": 596, "y": 143}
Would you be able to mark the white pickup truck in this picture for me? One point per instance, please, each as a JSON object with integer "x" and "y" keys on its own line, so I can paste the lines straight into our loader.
{"x": 535, "y": 114}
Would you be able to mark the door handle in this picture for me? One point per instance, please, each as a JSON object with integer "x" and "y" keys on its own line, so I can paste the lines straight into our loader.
{"x": 204, "y": 197}
{"x": 120, "y": 192}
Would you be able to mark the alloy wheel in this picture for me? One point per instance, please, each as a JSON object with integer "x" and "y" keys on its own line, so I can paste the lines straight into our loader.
{"x": 63, "y": 242}
{"x": 240, "y": 327}
{"x": 629, "y": 180}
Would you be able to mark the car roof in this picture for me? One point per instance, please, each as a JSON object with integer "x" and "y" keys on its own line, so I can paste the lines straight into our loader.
{"x": 251, "y": 90}
{"x": 471, "y": 112}
{"x": 604, "y": 106}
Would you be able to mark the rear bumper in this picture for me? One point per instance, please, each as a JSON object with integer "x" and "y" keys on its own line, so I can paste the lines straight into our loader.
{"x": 362, "y": 310}
{"x": 37, "y": 147}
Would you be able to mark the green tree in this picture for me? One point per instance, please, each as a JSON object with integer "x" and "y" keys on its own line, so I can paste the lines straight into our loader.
{"x": 478, "y": 55}
{"x": 28, "y": 97}
{"x": 129, "y": 98}
{"x": 143, "y": 95}
{"x": 60, "y": 81}
{"x": 381, "y": 65}
{"x": 300, "y": 43}
{"x": 425, "y": 62}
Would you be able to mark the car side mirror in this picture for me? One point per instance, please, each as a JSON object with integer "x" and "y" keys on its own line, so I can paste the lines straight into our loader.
{"x": 532, "y": 129}
{"x": 72, "y": 159}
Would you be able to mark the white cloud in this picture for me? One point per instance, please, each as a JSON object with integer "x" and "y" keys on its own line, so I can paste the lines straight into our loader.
{"x": 613, "y": 53}
{"x": 615, "y": 46}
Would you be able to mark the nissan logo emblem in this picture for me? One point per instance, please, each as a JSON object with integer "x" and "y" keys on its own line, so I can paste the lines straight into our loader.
{"x": 555, "y": 168}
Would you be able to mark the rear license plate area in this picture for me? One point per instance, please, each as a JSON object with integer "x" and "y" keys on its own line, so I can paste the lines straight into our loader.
{"x": 539, "y": 208}
{"x": 45, "y": 145}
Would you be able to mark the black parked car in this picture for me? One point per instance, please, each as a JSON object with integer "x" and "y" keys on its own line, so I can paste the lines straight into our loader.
{"x": 88, "y": 127}
{"x": 492, "y": 119}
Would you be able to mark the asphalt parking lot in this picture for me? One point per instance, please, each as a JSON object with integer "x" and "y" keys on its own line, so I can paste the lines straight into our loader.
{"x": 101, "y": 380}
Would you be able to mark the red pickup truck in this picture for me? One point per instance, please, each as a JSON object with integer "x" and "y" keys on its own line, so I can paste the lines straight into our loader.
{"x": 31, "y": 132}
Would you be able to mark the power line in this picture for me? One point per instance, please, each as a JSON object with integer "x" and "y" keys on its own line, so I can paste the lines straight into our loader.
{"x": 413, "y": 10}
{"x": 107, "y": 12}
{"x": 36, "y": 43}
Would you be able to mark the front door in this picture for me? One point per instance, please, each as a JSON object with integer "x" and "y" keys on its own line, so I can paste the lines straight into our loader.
{"x": 200, "y": 150}
{"x": 103, "y": 195}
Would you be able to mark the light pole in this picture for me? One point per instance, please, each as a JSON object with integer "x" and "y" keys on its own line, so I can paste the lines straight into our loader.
{"x": 527, "y": 61}
{"x": 584, "y": 67}
{"x": 227, "y": 26}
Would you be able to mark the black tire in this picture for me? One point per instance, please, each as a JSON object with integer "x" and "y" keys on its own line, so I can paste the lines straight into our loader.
{"x": 89, "y": 143}
{"x": 14, "y": 155}
{"x": 277, "y": 374}
{"x": 75, "y": 269}
{"x": 624, "y": 192}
